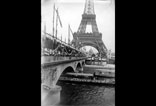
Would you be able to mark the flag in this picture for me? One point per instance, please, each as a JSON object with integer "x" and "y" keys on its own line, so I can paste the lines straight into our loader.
{"x": 70, "y": 30}
{"x": 53, "y": 19}
{"x": 58, "y": 17}
{"x": 61, "y": 39}
{"x": 68, "y": 34}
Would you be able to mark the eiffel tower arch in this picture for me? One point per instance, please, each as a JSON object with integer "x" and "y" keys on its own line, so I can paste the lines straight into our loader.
{"x": 82, "y": 38}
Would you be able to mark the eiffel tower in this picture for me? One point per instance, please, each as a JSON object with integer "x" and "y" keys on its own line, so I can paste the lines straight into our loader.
{"x": 82, "y": 38}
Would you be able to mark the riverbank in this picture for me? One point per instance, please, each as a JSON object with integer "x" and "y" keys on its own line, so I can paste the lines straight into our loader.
{"x": 107, "y": 69}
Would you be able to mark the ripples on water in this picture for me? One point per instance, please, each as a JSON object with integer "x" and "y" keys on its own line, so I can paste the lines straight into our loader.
{"x": 86, "y": 95}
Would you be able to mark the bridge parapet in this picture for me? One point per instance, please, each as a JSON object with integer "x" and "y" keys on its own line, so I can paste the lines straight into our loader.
{"x": 52, "y": 46}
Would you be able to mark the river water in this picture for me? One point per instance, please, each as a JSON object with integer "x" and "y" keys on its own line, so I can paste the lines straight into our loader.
{"x": 76, "y": 94}
{"x": 86, "y": 95}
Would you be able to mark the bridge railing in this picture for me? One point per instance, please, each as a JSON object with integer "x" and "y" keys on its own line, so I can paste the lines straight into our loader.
{"x": 52, "y": 46}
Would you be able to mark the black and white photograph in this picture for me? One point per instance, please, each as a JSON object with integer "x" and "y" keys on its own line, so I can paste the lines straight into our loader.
{"x": 77, "y": 52}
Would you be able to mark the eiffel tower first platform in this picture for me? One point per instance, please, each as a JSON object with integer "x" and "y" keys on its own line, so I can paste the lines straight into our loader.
{"x": 82, "y": 38}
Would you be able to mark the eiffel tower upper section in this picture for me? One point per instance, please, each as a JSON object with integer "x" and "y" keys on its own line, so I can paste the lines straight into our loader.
{"x": 89, "y": 7}
{"x": 88, "y": 18}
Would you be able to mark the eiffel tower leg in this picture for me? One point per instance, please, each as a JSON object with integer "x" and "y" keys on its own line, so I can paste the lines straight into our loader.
{"x": 82, "y": 26}
{"x": 94, "y": 26}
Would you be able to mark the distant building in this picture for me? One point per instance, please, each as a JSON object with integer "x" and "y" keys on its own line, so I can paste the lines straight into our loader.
{"x": 111, "y": 55}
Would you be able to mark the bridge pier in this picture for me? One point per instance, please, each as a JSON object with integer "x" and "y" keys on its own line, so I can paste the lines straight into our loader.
{"x": 50, "y": 92}
{"x": 50, "y": 96}
{"x": 80, "y": 69}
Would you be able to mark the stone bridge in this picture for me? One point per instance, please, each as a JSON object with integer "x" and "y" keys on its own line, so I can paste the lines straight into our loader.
{"x": 52, "y": 68}
{"x": 50, "y": 72}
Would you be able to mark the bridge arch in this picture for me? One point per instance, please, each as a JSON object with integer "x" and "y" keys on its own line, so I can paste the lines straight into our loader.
{"x": 83, "y": 63}
{"x": 51, "y": 75}
{"x": 79, "y": 67}
{"x": 68, "y": 69}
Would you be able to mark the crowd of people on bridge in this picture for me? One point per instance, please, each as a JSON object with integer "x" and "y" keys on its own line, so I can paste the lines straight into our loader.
{"x": 55, "y": 48}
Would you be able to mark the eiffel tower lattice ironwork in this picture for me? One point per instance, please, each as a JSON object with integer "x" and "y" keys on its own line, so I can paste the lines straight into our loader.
{"x": 82, "y": 38}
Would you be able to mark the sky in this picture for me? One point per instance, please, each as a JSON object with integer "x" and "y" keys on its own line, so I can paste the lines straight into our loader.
{"x": 71, "y": 11}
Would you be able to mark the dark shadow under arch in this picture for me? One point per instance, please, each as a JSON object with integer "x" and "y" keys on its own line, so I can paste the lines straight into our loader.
{"x": 78, "y": 67}
{"x": 83, "y": 63}
{"x": 66, "y": 70}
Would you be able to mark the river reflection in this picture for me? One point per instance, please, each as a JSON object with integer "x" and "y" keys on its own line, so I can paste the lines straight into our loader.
{"x": 86, "y": 95}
